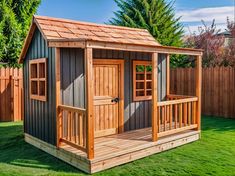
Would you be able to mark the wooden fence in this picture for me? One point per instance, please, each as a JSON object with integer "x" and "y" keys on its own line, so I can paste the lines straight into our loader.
{"x": 218, "y": 88}
{"x": 11, "y": 94}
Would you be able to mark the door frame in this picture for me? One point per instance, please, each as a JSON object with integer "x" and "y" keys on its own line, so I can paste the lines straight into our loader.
{"x": 120, "y": 63}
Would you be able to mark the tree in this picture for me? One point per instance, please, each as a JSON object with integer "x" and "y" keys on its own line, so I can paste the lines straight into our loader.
{"x": 15, "y": 18}
{"x": 230, "y": 49}
{"x": 211, "y": 42}
{"x": 157, "y": 16}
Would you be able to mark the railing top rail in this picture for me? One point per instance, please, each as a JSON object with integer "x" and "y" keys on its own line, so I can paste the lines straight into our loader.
{"x": 179, "y": 96}
{"x": 73, "y": 109}
{"x": 179, "y": 101}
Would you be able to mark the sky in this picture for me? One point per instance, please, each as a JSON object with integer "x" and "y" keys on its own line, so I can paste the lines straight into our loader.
{"x": 100, "y": 11}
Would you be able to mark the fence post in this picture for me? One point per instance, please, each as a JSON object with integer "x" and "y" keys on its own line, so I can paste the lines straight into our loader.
{"x": 11, "y": 85}
{"x": 198, "y": 90}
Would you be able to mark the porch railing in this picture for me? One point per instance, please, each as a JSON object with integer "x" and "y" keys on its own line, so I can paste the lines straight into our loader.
{"x": 177, "y": 114}
{"x": 72, "y": 126}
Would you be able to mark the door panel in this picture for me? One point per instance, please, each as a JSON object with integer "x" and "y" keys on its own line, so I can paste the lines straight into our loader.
{"x": 106, "y": 89}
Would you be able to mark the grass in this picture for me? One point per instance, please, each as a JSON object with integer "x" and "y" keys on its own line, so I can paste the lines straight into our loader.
{"x": 214, "y": 154}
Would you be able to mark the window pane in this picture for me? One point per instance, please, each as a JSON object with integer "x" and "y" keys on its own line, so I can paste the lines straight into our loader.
{"x": 42, "y": 85}
{"x": 140, "y": 68}
{"x": 149, "y": 93}
{"x": 34, "y": 87}
{"x": 140, "y": 93}
{"x": 148, "y": 68}
{"x": 41, "y": 70}
{"x": 140, "y": 85}
{"x": 139, "y": 76}
{"x": 33, "y": 70}
{"x": 149, "y": 85}
{"x": 149, "y": 76}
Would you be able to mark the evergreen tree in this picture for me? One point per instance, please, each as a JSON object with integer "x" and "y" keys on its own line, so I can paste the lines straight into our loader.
{"x": 157, "y": 16}
{"x": 15, "y": 18}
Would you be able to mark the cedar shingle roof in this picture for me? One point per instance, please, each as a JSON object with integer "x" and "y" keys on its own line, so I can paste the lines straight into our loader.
{"x": 54, "y": 29}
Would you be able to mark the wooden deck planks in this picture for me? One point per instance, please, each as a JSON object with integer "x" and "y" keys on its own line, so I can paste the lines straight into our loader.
{"x": 116, "y": 149}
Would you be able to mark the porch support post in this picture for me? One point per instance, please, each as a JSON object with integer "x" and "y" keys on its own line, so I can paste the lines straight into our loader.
{"x": 168, "y": 74}
{"x": 198, "y": 90}
{"x": 154, "y": 96}
{"x": 89, "y": 104}
{"x": 58, "y": 112}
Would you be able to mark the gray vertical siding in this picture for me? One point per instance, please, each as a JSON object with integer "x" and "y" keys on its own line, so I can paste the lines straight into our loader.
{"x": 40, "y": 117}
{"x": 72, "y": 77}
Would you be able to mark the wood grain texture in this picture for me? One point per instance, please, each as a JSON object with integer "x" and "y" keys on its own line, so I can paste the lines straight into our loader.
{"x": 89, "y": 103}
{"x": 154, "y": 96}
{"x": 58, "y": 98}
{"x": 108, "y": 85}
{"x": 198, "y": 90}
{"x": 11, "y": 94}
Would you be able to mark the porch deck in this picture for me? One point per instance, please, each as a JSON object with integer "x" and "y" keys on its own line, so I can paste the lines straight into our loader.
{"x": 122, "y": 148}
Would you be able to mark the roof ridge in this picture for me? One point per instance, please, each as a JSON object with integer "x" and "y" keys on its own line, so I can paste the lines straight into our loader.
{"x": 86, "y": 23}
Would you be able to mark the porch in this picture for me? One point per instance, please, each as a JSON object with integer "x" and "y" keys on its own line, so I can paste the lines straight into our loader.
{"x": 174, "y": 121}
{"x": 177, "y": 125}
{"x": 114, "y": 150}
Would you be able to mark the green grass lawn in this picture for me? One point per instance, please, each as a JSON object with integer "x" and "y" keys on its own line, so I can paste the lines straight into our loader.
{"x": 214, "y": 154}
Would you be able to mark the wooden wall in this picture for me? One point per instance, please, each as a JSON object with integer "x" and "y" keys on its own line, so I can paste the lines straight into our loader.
{"x": 40, "y": 117}
{"x": 218, "y": 92}
{"x": 137, "y": 114}
{"x": 11, "y": 94}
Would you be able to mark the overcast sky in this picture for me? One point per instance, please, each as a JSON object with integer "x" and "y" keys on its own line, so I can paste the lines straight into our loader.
{"x": 100, "y": 11}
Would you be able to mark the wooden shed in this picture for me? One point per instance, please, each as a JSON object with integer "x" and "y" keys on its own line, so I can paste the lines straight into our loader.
{"x": 97, "y": 96}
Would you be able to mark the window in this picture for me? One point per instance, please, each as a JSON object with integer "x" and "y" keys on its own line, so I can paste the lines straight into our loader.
{"x": 38, "y": 82}
{"x": 142, "y": 80}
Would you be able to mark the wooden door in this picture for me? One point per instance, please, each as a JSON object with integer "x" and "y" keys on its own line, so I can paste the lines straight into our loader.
{"x": 108, "y": 97}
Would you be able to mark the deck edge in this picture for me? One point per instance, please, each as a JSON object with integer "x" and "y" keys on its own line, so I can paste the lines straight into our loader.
{"x": 142, "y": 153}
{"x": 61, "y": 154}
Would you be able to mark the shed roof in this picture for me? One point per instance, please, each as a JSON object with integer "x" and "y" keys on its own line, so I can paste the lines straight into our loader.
{"x": 55, "y": 29}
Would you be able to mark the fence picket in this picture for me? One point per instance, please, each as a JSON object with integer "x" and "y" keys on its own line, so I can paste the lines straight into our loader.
{"x": 11, "y": 94}
{"x": 218, "y": 91}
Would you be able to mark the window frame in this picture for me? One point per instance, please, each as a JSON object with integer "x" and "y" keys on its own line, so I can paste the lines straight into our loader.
{"x": 145, "y": 96}
{"x": 38, "y": 79}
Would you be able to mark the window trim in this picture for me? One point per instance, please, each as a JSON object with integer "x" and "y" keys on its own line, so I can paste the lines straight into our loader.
{"x": 38, "y": 79}
{"x": 145, "y": 97}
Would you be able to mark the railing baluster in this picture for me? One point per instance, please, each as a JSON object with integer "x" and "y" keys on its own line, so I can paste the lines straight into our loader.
{"x": 60, "y": 114}
{"x": 185, "y": 114}
{"x": 72, "y": 127}
{"x": 170, "y": 116}
{"x": 164, "y": 118}
{"x": 67, "y": 125}
{"x": 176, "y": 115}
{"x": 75, "y": 128}
{"x": 159, "y": 119}
{"x": 80, "y": 129}
{"x": 194, "y": 113}
{"x": 189, "y": 113}
{"x": 180, "y": 115}
{"x": 70, "y": 124}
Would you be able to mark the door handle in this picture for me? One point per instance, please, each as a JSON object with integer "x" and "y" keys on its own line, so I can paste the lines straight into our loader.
{"x": 116, "y": 100}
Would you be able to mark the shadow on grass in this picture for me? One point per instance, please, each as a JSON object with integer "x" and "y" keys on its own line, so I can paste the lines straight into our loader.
{"x": 217, "y": 124}
{"x": 15, "y": 151}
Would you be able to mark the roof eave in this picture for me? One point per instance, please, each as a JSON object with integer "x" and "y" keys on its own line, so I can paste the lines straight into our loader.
{"x": 28, "y": 39}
